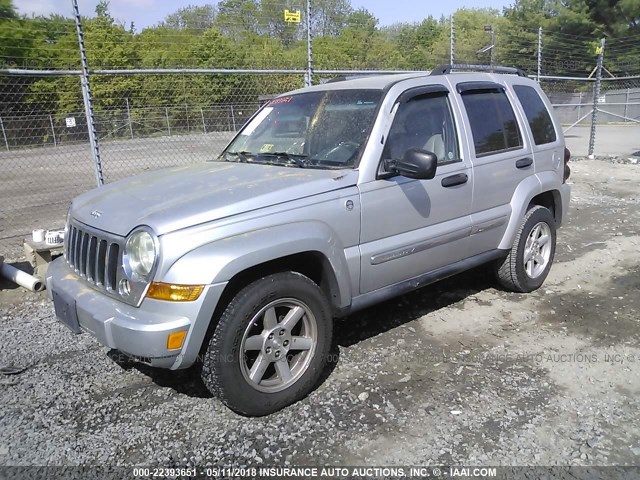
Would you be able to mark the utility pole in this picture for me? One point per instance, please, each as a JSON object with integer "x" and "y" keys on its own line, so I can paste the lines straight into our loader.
{"x": 489, "y": 48}
{"x": 88, "y": 100}
{"x": 493, "y": 46}
{"x": 596, "y": 97}
{"x": 452, "y": 40}
{"x": 539, "y": 54}
{"x": 309, "y": 75}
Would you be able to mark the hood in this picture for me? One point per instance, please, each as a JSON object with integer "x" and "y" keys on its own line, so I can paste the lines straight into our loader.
{"x": 171, "y": 199}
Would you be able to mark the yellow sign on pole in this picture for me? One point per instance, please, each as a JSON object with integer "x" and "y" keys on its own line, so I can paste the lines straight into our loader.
{"x": 292, "y": 16}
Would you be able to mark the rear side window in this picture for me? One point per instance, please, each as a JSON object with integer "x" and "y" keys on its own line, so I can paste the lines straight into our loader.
{"x": 537, "y": 115}
{"x": 493, "y": 123}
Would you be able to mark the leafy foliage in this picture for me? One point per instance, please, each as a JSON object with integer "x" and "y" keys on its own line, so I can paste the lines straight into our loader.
{"x": 233, "y": 34}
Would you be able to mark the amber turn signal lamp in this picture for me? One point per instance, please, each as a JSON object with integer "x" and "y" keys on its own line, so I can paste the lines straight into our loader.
{"x": 174, "y": 293}
{"x": 176, "y": 339}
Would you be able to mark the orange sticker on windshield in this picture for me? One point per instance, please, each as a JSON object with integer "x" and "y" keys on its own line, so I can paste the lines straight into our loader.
{"x": 277, "y": 101}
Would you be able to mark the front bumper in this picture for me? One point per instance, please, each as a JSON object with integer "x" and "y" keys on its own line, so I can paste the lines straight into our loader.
{"x": 140, "y": 332}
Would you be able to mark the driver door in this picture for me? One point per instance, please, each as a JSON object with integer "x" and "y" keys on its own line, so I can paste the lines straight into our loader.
{"x": 411, "y": 227}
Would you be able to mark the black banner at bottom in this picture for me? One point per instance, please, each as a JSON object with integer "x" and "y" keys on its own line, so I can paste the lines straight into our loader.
{"x": 321, "y": 472}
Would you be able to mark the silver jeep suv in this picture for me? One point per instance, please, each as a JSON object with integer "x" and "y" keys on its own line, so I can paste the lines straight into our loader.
{"x": 330, "y": 199}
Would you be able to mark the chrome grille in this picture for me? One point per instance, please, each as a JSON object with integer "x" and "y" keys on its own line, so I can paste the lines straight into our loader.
{"x": 93, "y": 255}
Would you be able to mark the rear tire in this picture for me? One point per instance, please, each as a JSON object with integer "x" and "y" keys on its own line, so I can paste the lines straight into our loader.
{"x": 527, "y": 265}
{"x": 270, "y": 345}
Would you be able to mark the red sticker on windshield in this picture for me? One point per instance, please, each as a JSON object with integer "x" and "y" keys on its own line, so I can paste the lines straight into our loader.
{"x": 277, "y": 101}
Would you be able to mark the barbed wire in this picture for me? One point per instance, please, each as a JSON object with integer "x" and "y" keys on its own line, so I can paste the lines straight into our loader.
{"x": 165, "y": 46}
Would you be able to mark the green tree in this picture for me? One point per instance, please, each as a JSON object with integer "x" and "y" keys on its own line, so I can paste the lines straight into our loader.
{"x": 360, "y": 45}
{"x": 192, "y": 17}
{"x": 519, "y": 39}
{"x": 613, "y": 17}
{"x": 166, "y": 47}
{"x": 108, "y": 46}
{"x": 329, "y": 17}
{"x": 416, "y": 41}
{"x": 7, "y": 10}
{"x": 273, "y": 24}
{"x": 215, "y": 50}
{"x": 363, "y": 20}
{"x": 238, "y": 18}
{"x": 568, "y": 36}
{"x": 19, "y": 39}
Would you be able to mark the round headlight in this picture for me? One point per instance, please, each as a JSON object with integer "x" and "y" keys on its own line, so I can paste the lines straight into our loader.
{"x": 140, "y": 253}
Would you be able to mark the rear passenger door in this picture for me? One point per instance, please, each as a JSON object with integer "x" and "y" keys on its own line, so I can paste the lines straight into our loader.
{"x": 547, "y": 143}
{"x": 501, "y": 159}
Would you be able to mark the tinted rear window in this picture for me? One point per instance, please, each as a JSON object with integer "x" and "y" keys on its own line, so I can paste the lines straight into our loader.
{"x": 537, "y": 115}
{"x": 493, "y": 123}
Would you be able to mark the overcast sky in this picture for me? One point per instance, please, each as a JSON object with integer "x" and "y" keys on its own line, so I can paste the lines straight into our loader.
{"x": 145, "y": 13}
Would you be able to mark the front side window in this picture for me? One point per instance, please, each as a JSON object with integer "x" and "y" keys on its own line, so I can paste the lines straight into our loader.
{"x": 493, "y": 122}
{"x": 425, "y": 122}
{"x": 325, "y": 129}
{"x": 537, "y": 115}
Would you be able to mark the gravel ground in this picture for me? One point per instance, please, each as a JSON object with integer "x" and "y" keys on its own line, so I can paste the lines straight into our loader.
{"x": 455, "y": 373}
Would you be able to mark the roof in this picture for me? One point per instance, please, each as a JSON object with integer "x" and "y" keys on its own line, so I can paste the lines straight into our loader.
{"x": 369, "y": 82}
{"x": 380, "y": 82}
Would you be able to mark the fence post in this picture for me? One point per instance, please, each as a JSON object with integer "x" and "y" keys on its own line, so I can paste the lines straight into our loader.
{"x": 596, "y": 94}
{"x": 539, "y": 53}
{"x": 452, "y": 40}
{"x": 4, "y": 134}
{"x": 580, "y": 107}
{"x": 166, "y": 115}
{"x": 86, "y": 96}
{"x": 186, "y": 112}
{"x": 626, "y": 105}
{"x": 233, "y": 119}
{"x": 53, "y": 131}
{"x": 129, "y": 118}
{"x": 309, "y": 77}
{"x": 493, "y": 46}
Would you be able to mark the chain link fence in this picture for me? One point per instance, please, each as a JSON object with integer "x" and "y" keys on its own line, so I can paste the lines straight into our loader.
{"x": 45, "y": 157}
{"x": 619, "y": 101}
{"x": 164, "y": 120}
{"x": 572, "y": 100}
{"x": 616, "y": 119}
{"x": 44, "y": 163}
{"x": 175, "y": 119}
{"x": 175, "y": 110}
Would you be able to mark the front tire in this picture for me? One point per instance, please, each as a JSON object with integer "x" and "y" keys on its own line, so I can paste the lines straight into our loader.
{"x": 270, "y": 345}
{"x": 528, "y": 263}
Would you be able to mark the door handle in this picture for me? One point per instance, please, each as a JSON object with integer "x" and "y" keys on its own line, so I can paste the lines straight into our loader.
{"x": 454, "y": 180}
{"x": 524, "y": 162}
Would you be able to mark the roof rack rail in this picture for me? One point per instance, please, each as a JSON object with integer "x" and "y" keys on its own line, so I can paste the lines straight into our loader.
{"x": 340, "y": 78}
{"x": 444, "y": 69}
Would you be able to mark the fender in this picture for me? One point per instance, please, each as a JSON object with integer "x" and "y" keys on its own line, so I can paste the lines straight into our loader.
{"x": 220, "y": 260}
{"x": 524, "y": 193}
{"x": 549, "y": 182}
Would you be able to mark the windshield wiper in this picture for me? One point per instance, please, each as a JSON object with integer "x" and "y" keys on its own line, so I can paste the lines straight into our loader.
{"x": 299, "y": 160}
{"x": 241, "y": 155}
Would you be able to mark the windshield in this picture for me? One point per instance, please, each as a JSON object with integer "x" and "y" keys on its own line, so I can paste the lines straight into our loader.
{"x": 324, "y": 129}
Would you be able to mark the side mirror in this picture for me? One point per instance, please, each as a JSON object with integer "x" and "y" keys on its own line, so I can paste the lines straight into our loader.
{"x": 418, "y": 164}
